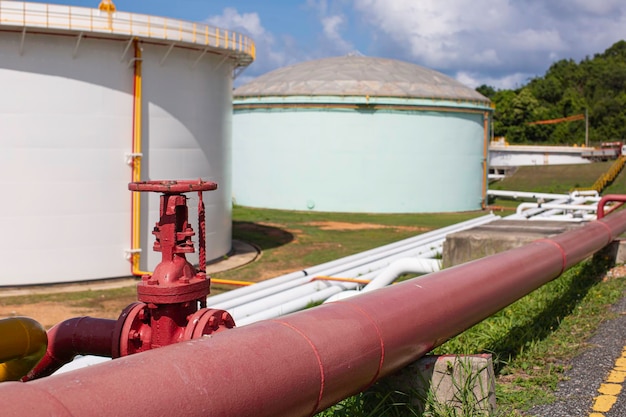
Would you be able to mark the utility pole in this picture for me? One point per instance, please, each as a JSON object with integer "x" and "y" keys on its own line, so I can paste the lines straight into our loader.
{"x": 586, "y": 128}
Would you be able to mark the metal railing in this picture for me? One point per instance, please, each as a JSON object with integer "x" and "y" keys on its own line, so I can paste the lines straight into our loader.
{"x": 79, "y": 19}
{"x": 608, "y": 177}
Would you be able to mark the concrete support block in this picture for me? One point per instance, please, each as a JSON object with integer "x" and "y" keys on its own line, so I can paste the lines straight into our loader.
{"x": 463, "y": 382}
{"x": 615, "y": 251}
{"x": 497, "y": 236}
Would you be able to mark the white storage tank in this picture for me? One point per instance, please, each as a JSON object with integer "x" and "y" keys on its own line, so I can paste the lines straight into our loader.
{"x": 92, "y": 100}
{"x": 360, "y": 134}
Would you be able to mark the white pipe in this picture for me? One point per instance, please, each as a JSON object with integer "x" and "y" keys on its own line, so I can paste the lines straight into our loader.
{"x": 573, "y": 202}
{"x": 435, "y": 234}
{"x": 540, "y": 210}
{"x": 292, "y": 306}
{"x": 249, "y": 309}
{"x": 342, "y": 296}
{"x": 558, "y": 207}
{"x": 391, "y": 273}
{"x": 527, "y": 195}
{"x": 586, "y": 193}
{"x": 400, "y": 267}
{"x": 592, "y": 194}
{"x": 285, "y": 302}
{"x": 288, "y": 292}
{"x": 349, "y": 269}
{"x": 563, "y": 218}
{"x": 535, "y": 211}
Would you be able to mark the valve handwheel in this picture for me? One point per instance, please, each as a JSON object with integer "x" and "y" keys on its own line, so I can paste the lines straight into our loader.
{"x": 175, "y": 186}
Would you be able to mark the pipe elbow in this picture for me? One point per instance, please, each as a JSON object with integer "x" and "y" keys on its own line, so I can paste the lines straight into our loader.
{"x": 24, "y": 344}
{"x": 72, "y": 337}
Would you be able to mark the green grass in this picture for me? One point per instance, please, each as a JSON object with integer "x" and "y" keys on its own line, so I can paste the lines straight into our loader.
{"x": 557, "y": 179}
{"x": 283, "y": 217}
{"x": 618, "y": 186}
{"x": 293, "y": 240}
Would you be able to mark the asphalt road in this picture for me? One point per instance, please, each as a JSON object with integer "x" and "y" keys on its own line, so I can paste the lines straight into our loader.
{"x": 602, "y": 367}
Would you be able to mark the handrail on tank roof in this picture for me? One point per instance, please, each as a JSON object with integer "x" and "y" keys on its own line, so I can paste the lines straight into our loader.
{"x": 81, "y": 19}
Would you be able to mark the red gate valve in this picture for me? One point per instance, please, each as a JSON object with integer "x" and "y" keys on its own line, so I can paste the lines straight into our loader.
{"x": 169, "y": 299}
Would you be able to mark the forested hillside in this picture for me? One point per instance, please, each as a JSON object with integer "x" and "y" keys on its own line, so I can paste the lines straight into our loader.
{"x": 596, "y": 85}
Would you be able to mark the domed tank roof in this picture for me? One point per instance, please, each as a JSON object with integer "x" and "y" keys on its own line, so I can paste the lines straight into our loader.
{"x": 358, "y": 76}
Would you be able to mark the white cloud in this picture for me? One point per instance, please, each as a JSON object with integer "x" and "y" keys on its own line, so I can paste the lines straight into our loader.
{"x": 505, "y": 42}
{"x": 321, "y": 6}
{"x": 331, "y": 26}
{"x": 537, "y": 40}
{"x": 231, "y": 19}
{"x": 435, "y": 32}
{"x": 271, "y": 52}
{"x": 509, "y": 81}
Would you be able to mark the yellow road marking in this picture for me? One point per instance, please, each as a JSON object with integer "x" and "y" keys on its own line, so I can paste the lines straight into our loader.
{"x": 611, "y": 388}
{"x": 604, "y": 403}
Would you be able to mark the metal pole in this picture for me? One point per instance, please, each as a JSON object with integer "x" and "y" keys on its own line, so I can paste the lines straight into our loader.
{"x": 586, "y": 128}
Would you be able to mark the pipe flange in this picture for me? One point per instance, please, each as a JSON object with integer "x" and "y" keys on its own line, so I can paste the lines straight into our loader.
{"x": 132, "y": 331}
{"x": 207, "y": 321}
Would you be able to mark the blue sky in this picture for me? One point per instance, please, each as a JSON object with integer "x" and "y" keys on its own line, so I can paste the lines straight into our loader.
{"x": 502, "y": 43}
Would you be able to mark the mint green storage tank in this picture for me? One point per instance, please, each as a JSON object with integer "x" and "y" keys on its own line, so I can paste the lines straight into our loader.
{"x": 359, "y": 134}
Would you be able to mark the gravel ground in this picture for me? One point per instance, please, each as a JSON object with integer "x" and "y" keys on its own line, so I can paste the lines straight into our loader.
{"x": 575, "y": 395}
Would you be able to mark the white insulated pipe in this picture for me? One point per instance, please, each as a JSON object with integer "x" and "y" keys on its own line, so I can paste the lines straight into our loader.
{"x": 391, "y": 273}
{"x": 546, "y": 196}
{"x": 303, "y": 287}
{"x": 526, "y": 195}
{"x": 535, "y": 211}
{"x": 294, "y": 305}
{"x": 557, "y": 207}
{"x": 400, "y": 267}
{"x": 349, "y": 269}
{"x": 249, "y": 309}
{"x": 566, "y": 218}
{"x": 318, "y": 269}
{"x": 269, "y": 308}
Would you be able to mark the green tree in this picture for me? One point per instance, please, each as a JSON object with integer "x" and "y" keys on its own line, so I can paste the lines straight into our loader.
{"x": 487, "y": 91}
{"x": 596, "y": 85}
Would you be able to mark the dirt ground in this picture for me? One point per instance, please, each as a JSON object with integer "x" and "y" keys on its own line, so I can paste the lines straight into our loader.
{"x": 50, "y": 313}
{"x": 363, "y": 226}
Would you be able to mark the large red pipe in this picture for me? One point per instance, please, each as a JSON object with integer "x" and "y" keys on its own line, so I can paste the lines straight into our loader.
{"x": 302, "y": 363}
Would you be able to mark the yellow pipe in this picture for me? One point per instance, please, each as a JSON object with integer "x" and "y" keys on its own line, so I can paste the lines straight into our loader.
{"x": 326, "y": 278}
{"x": 231, "y": 282}
{"x": 136, "y": 174}
{"x": 23, "y": 343}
